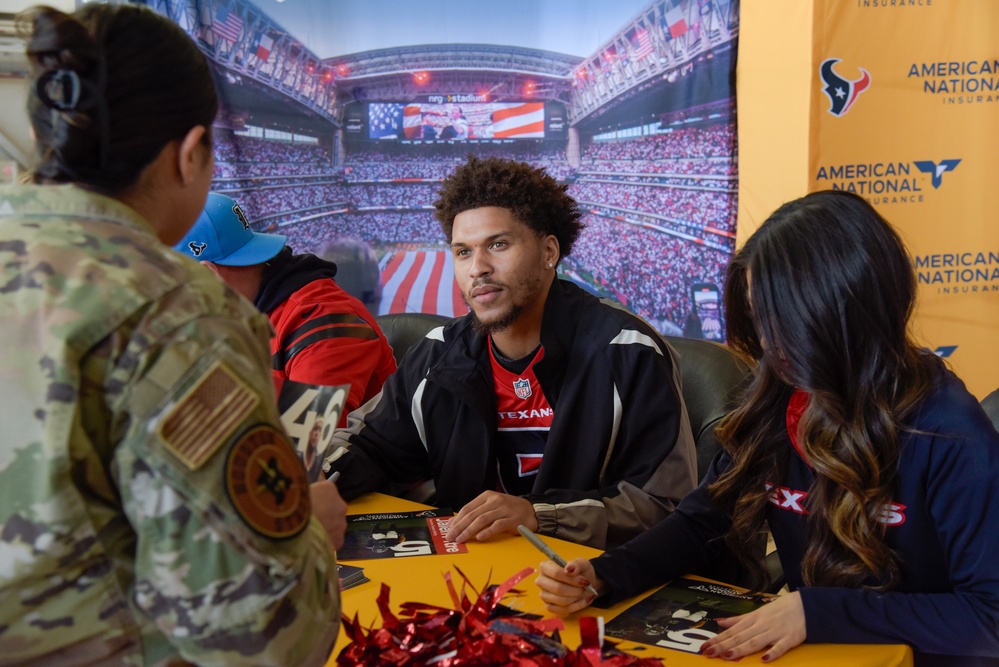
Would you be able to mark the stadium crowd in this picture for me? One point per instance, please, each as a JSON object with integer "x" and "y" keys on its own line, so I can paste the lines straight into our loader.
{"x": 716, "y": 140}
{"x": 374, "y": 228}
{"x": 387, "y": 161}
{"x": 691, "y": 208}
{"x": 682, "y": 181}
{"x": 260, "y": 204}
{"x": 392, "y": 195}
{"x": 651, "y": 269}
{"x": 697, "y": 182}
{"x": 239, "y": 156}
{"x": 258, "y": 169}
{"x": 707, "y": 166}
{"x": 230, "y": 147}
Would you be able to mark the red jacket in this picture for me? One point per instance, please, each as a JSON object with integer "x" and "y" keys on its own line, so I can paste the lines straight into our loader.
{"x": 324, "y": 336}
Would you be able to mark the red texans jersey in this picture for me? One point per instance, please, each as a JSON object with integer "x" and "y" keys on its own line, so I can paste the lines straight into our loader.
{"x": 523, "y": 420}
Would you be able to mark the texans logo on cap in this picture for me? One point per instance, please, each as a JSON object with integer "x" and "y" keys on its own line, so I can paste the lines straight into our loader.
{"x": 197, "y": 248}
{"x": 222, "y": 235}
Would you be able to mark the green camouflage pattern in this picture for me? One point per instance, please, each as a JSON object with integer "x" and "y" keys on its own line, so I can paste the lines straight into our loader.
{"x": 111, "y": 550}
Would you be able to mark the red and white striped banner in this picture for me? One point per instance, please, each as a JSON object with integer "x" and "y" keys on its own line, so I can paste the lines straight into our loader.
{"x": 420, "y": 281}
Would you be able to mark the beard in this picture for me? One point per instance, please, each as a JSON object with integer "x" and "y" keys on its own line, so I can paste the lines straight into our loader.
{"x": 499, "y": 324}
{"x": 527, "y": 289}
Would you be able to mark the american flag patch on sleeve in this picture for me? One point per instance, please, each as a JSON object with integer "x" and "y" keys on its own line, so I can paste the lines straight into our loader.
{"x": 203, "y": 418}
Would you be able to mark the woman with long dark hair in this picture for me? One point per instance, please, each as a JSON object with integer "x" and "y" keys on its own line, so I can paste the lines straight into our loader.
{"x": 152, "y": 510}
{"x": 877, "y": 471}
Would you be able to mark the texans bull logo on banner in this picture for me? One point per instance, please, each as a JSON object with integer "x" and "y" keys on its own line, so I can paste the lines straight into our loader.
{"x": 842, "y": 92}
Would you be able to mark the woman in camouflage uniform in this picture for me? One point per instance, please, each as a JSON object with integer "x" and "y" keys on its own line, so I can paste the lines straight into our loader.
{"x": 151, "y": 508}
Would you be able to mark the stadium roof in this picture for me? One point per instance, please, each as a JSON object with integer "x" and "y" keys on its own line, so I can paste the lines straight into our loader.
{"x": 335, "y": 28}
{"x": 663, "y": 95}
{"x": 454, "y": 57}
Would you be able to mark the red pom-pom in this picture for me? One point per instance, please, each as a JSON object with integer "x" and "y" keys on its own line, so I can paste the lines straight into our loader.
{"x": 479, "y": 633}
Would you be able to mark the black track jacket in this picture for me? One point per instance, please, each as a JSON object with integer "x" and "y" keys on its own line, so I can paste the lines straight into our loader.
{"x": 619, "y": 456}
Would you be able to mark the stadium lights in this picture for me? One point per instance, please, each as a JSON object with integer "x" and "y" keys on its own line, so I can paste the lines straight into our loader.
{"x": 342, "y": 69}
{"x": 421, "y": 78}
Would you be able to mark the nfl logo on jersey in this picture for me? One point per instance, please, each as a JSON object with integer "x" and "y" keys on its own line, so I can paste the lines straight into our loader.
{"x": 522, "y": 387}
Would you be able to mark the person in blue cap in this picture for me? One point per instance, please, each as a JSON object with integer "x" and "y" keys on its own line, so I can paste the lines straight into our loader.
{"x": 323, "y": 335}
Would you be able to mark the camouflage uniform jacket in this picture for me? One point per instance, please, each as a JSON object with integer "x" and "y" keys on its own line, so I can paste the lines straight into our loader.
{"x": 150, "y": 511}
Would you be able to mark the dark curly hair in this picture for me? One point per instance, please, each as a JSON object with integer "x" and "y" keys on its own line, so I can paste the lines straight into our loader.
{"x": 534, "y": 198}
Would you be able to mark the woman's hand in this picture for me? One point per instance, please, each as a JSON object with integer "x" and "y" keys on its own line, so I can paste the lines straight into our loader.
{"x": 779, "y": 624}
{"x": 563, "y": 590}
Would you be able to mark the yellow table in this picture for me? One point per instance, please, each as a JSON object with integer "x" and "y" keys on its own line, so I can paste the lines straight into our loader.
{"x": 420, "y": 579}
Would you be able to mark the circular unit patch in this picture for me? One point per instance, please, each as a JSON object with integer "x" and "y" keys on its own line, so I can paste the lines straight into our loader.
{"x": 267, "y": 484}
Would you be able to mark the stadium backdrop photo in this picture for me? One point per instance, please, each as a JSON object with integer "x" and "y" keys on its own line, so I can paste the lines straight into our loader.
{"x": 340, "y": 119}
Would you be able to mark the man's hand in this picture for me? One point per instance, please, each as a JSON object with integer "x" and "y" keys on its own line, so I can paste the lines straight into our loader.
{"x": 563, "y": 590}
{"x": 779, "y": 625}
{"x": 330, "y": 509}
{"x": 490, "y": 514}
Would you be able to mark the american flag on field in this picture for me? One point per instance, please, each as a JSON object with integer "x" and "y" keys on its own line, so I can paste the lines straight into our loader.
{"x": 420, "y": 281}
{"x": 227, "y": 24}
{"x": 642, "y": 43}
{"x": 384, "y": 120}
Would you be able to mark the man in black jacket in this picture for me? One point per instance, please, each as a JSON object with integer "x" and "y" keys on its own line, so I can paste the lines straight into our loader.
{"x": 544, "y": 406}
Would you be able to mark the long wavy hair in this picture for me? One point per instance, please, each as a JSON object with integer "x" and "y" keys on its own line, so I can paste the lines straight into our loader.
{"x": 821, "y": 297}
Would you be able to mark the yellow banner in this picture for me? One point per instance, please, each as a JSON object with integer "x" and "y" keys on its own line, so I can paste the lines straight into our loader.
{"x": 904, "y": 111}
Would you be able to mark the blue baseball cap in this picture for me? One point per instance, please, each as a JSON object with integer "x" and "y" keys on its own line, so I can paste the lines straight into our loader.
{"x": 222, "y": 235}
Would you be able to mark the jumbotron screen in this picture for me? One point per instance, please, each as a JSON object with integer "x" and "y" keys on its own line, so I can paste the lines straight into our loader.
{"x": 452, "y": 121}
